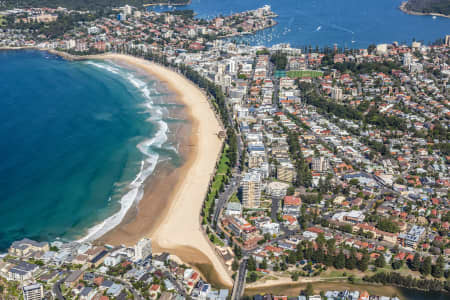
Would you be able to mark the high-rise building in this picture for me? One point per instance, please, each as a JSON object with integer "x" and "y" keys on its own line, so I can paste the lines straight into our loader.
{"x": 251, "y": 190}
{"x": 255, "y": 159}
{"x": 320, "y": 164}
{"x": 33, "y": 292}
{"x": 232, "y": 68}
{"x": 286, "y": 172}
{"x": 127, "y": 9}
{"x": 336, "y": 93}
{"x": 143, "y": 249}
{"x": 407, "y": 59}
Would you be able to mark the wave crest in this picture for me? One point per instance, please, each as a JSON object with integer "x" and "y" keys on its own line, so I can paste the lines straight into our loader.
{"x": 135, "y": 188}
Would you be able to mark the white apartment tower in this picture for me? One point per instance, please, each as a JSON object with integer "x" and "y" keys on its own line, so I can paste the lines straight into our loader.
{"x": 143, "y": 249}
{"x": 286, "y": 172}
{"x": 127, "y": 10}
{"x": 232, "y": 68}
{"x": 407, "y": 59}
{"x": 336, "y": 93}
{"x": 320, "y": 164}
{"x": 33, "y": 292}
{"x": 251, "y": 190}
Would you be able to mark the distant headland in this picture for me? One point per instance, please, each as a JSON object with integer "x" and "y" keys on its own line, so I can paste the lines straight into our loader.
{"x": 440, "y": 8}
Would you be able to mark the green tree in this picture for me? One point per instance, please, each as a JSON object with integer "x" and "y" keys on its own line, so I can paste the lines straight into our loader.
{"x": 309, "y": 291}
{"x": 350, "y": 263}
{"x": 425, "y": 268}
{"x": 397, "y": 264}
{"x": 415, "y": 263}
{"x": 339, "y": 262}
{"x": 380, "y": 262}
{"x": 237, "y": 252}
{"x": 251, "y": 264}
{"x": 438, "y": 268}
{"x": 235, "y": 265}
{"x": 388, "y": 225}
{"x": 363, "y": 263}
{"x": 292, "y": 258}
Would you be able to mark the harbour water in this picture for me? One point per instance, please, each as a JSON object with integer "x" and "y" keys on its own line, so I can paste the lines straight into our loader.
{"x": 347, "y": 23}
{"x": 78, "y": 141}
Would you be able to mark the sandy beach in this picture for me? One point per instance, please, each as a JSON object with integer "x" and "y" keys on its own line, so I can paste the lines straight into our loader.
{"x": 169, "y": 212}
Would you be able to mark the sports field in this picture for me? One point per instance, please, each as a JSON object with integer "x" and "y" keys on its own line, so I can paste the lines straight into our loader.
{"x": 304, "y": 73}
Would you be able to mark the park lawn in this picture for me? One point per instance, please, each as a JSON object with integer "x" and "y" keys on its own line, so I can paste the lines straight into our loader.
{"x": 332, "y": 272}
{"x": 304, "y": 73}
{"x": 216, "y": 241}
{"x": 224, "y": 163}
{"x": 217, "y": 182}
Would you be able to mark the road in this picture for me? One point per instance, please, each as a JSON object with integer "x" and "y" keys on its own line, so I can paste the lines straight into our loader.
{"x": 56, "y": 290}
{"x": 233, "y": 183}
{"x": 239, "y": 283}
{"x": 225, "y": 196}
{"x": 274, "y": 209}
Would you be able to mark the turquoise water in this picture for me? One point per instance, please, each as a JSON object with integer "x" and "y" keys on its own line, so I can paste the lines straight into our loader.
{"x": 348, "y": 23}
{"x": 74, "y": 138}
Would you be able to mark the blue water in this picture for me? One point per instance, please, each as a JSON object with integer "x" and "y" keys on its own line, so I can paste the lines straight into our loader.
{"x": 69, "y": 135}
{"x": 348, "y": 23}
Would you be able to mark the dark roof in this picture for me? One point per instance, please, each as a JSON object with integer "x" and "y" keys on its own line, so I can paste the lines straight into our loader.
{"x": 86, "y": 291}
{"x": 99, "y": 256}
{"x": 74, "y": 276}
{"x": 23, "y": 266}
{"x": 107, "y": 283}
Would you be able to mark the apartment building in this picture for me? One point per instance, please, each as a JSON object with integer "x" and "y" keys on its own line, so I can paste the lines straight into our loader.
{"x": 286, "y": 172}
{"x": 33, "y": 292}
{"x": 320, "y": 164}
{"x": 251, "y": 190}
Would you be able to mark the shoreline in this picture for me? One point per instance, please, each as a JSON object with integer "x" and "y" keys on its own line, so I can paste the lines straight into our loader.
{"x": 176, "y": 229}
{"x": 415, "y": 13}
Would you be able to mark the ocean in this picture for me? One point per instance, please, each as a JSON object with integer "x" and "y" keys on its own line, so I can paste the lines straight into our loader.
{"x": 347, "y": 23}
{"x": 78, "y": 141}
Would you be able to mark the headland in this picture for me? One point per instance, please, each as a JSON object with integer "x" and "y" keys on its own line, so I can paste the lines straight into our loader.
{"x": 403, "y": 8}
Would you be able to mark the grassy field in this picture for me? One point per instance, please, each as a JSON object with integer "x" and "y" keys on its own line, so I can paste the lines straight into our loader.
{"x": 217, "y": 182}
{"x": 294, "y": 289}
{"x": 304, "y": 73}
{"x": 216, "y": 241}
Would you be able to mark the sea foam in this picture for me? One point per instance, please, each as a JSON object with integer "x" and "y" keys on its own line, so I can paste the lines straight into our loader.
{"x": 134, "y": 189}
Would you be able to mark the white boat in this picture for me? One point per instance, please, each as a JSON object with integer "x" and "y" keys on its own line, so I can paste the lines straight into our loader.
{"x": 434, "y": 17}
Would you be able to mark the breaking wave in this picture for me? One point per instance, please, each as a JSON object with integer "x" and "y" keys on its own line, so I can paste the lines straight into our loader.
{"x": 134, "y": 189}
